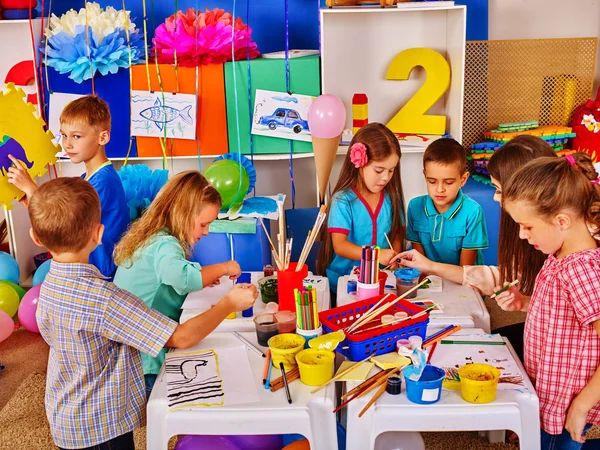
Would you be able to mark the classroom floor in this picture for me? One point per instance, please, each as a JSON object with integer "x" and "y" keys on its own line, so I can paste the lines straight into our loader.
{"x": 23, "y": 422}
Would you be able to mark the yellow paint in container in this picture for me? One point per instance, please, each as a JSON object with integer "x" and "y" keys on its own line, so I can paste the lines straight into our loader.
{"x": 284, "y": 348}
{"x": 478, "y": 382}
{"x": 316, "y": 366}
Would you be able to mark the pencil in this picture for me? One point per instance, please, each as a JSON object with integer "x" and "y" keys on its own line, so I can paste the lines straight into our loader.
{"x": 245, "y": 341}
{"x": 268, "y": 383}
{"x": 505, "y": 288}
{"x": 285, "y": 382}
{"x": 475, "y": 342}
{"x": 431, "y": 342}
{"x": 431, "y": 352}
{"x": 267, "y": 364}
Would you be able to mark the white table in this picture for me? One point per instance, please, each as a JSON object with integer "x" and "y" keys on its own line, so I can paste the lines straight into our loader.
{"x": 198, "y": 302}
{"x": 512, "y": 410}
{"x": 309, "y": 415}
{"x": 462, "y": 305}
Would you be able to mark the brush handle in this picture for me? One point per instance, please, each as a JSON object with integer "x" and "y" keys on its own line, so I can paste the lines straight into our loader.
{"x": 378, "y": 394}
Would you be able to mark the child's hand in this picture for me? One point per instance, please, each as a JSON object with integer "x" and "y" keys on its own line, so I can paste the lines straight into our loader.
{"x": 576, "y": 420}
{"x": 232, "y": 269}
{"x": 18, "y": 175}
{"x": 414, "y": 260}
{"x": 386, "y": 256}
{"x": 242, "y": 296}
{"x": 511, "y": 299}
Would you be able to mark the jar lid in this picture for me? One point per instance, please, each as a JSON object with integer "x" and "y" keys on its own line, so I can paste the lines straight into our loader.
{"x": 407, "y": 273}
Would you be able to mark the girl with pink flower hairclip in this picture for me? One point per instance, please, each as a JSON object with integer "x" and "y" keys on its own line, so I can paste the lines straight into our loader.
{"x": 367, "y": 205}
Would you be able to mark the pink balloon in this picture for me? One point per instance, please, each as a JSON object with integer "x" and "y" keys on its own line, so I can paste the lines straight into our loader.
{"x": 28, "y": 307}
{"x": 326, "y": 117}
{"x": 6, "y": 325}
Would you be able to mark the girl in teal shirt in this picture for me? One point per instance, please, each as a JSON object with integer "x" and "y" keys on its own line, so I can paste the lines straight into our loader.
{"x": 152, "y": 256}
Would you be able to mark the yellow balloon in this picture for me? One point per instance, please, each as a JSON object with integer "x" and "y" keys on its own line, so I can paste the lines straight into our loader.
{"x": 9, "y": 299}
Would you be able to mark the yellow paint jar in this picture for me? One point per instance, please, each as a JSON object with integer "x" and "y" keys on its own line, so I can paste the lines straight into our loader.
{"x": 284, "y": 348}
{"x": 316, "y": 366}
{"x": 478, "y": 382}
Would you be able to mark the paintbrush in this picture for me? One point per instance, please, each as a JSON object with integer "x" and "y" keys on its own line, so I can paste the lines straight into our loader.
{"x": 504, "y": 289}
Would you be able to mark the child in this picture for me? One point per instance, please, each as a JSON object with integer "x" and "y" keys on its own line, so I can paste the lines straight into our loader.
{"x": 94, "y": 387}
{"x": 152, "y": 255}
{"x": 446, "y": 225}
{"x": 85, "y": 130}
{"x": 555, "y": 202}
{"x": 367, "y": 203}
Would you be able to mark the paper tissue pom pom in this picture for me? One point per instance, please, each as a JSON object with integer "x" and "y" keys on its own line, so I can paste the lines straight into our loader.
{"x": 141, "y": 185}
{"x": 197, "y": 38}
{"x": 104, "y": 48}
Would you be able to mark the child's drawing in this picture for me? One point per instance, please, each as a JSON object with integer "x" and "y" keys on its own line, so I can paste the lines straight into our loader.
{"x": 193, "y": 379}
{"x": 157, "y": 113}
{"x": 281, "y": 115}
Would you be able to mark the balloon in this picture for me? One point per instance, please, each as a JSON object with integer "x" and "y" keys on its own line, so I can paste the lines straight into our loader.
{"x": 298, "y": 445}
{"x": 258, "y": 442}
{"x": 326, "y": 117}
{"x": 224, "y": 175}
{"x": 28, "y": 308}
{"x": 9, "y": 269}
{"x": 9, "y": 300}
{"x": 41, "y": 272}
{"x": 18, "y": 289}
{"x": 6, "y": 326}
{"x": 397, "y": 440}
{"x": 205, "y": 442}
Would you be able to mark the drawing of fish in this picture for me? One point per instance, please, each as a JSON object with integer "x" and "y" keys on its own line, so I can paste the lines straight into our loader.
{"x": 162, "y": 114}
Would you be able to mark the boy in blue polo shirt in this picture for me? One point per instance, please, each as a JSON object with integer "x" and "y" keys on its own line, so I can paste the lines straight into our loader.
{"x": 446, "y": 226}
{"x": 85, "y": 130}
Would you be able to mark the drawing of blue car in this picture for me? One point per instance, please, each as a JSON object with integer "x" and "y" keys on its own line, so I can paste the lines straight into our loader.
{"x": 284, "y": 117}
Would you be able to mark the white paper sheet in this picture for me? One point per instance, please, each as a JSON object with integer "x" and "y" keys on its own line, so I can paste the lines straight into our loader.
{"x": 151, "y": 112}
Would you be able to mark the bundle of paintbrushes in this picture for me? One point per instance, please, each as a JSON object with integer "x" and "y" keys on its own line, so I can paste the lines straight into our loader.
{"x": 369, "y": 265}
{"x": 306, "y": 309}
{"x": 283, "y": 252}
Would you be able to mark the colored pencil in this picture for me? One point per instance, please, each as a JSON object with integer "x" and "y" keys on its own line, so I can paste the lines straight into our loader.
{"x": 267, "y": 364}
{"x": 431, "y": 352}
{"x": 434, "y": 335}
{"x": 430, "y": 342}
{"x": 285, "y": 382}
{"x": 505, "y": 288}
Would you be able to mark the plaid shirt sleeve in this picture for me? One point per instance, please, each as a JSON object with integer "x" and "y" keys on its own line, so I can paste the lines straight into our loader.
{"x": 583, "y": 282}
{"x": 128, "y": 320}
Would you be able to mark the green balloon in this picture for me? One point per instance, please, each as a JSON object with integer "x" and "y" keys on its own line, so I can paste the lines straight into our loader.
{"x": 9, "y": 300}
{"x": 18, "y": 289}
{"x": 224, "y": 175}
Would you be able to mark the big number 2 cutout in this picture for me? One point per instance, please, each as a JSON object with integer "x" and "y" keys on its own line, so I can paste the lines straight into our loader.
{"x": 411, "y": 118}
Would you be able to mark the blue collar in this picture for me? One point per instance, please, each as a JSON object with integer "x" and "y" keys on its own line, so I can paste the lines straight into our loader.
{"x": 452, "y": 211}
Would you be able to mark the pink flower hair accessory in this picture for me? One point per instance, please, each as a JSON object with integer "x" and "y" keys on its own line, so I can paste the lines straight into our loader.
{"x": 358, "y": 155}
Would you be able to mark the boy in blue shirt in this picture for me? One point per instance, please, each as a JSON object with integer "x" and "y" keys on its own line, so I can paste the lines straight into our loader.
{"x": 446, "y": 226}
{"x": 85, "y": 130}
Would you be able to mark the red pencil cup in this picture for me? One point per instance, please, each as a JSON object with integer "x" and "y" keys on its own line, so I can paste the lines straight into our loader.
{"x": 287, "y": 281}
{"x": 382, "y": 279}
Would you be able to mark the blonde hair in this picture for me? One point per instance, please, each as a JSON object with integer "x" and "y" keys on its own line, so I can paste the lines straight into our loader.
{"x": 174, "y": 209}
{"x": 64, "y": 213}
{"x": 89, "y": 109}
{"x": 381, "y": 143}
{"x": 552, "y": 185}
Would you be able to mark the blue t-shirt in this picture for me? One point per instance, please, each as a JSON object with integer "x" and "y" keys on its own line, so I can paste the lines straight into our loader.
{"x": 114, "y": 216}
{"x": 444, "y": 236}
{"x": 350, "y": 214}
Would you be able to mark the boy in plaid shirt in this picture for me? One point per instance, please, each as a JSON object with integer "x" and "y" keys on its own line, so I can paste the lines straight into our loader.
{"x": 95, "y": 395}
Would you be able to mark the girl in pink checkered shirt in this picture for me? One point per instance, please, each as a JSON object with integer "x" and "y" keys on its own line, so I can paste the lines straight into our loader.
{"x": 556, "y": 202}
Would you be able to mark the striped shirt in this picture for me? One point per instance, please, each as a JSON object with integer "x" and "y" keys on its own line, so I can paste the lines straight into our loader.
{"x": 95, "y": 388}
{"x": 562, "y": 347}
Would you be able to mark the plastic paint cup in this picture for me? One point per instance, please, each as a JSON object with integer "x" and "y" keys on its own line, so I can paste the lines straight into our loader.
{"x": 406, "y": 279}
{"x": 266, "y": 328}
{"x": 286, "y": 321}
{"x": 478, "y": 383}
{"x": 287, "y": 281}
{"x": 310, "y": 334}
{"x": 284, "y": 348}
{"x": 365, "y": 291}
{"x": 316, "y": 366}
{"x": 429, "y": 387}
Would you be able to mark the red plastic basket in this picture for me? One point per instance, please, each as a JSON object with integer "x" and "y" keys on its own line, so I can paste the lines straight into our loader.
{"x": 380, "y": 340}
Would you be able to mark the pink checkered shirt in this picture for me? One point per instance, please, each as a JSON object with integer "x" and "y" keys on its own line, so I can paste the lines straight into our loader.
{"x": 562, "y": 348}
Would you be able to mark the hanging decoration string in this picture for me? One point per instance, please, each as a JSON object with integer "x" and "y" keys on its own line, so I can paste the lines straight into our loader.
{"x": 87, "y": 43}
{"x": 146, "y": 46}
{"x": 130, "y": 79}
{"x": 198, "y": 90}
{"x": 237, "y": 111}
{"x": 250, "y": 108}
{"x": 162, "y": 140}
{"x": 46, "y": 52}
{"x": 289, "y": 90}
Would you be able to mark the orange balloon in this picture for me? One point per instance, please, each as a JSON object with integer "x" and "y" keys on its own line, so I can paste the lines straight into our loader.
{"x": 298, "y": 445}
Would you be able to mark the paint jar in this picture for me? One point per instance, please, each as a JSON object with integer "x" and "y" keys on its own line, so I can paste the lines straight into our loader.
{"x": 394, "y": 384}
{"x": 316, "y": 366}
{"x": 231, "y": 316}
{"x": 284, "y": 348}
{"x": 266, "y": 328}
{"x": 428, "y": 388}
{"x": 287, "y": 281}
{"x": 271, "y": 307}
{"x": 365, "y": 291}
{"x": 383, "y": 276}
{"x": 245, "y": 277}
{"x": 268, "y": 289}
{"x": 351, "y": 287}
{"x": 310, "y": 334}
{"x": 268, "y": 270}
{"x": 286, "y": 321}
{"x": 478, "y": 383}
{"x": 406, "y": 279}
